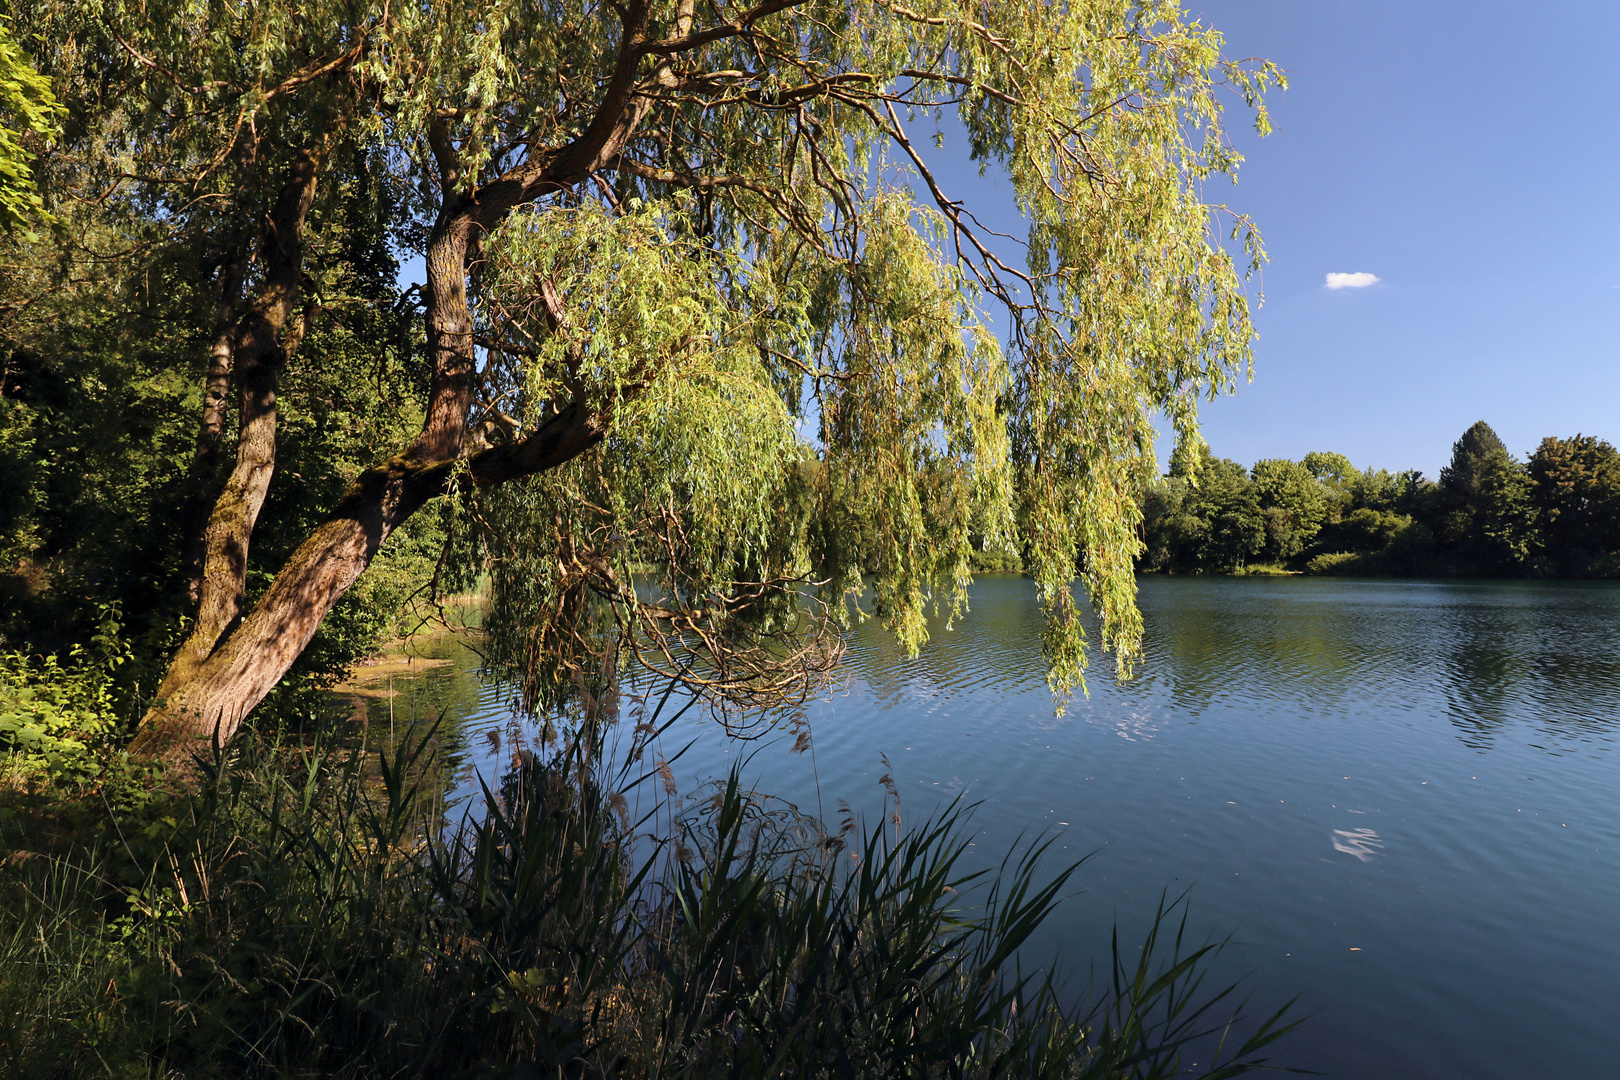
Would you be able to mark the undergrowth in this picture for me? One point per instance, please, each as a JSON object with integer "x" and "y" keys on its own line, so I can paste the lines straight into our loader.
{"x": 59, "y": 721}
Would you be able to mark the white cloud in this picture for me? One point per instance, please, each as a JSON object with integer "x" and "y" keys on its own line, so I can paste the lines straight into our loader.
{"x": 1351, "y": 281}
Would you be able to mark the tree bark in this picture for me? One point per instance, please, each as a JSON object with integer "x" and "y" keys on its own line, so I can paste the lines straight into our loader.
{"x": 256, "y": 345}
{"x": 214, "y": 682}
{"x": 205, "y": 464}
{"x": 221, "y": 691}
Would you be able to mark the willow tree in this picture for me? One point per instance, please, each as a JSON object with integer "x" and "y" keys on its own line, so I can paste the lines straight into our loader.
{"x": 660, "y": 239}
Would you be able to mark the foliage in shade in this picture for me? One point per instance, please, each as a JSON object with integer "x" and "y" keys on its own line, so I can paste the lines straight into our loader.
{"x": 1575, "y": 485}
{"x": 1461, "y": 477}
{"x": 1505, "y": 532}
{"x": 1294, "y": 504}
{"x": 1206, "y": 512}
{"x": 99, "y": 475}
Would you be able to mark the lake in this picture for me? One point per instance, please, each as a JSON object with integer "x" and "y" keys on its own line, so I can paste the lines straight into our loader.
{"x": 1400, "y": 799}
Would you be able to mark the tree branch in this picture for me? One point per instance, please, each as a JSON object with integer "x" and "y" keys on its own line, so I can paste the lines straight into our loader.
{"x": 687, "y": 43}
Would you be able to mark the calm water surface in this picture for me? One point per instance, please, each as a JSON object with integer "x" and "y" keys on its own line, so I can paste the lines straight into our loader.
{"x": 1400, "y": 799}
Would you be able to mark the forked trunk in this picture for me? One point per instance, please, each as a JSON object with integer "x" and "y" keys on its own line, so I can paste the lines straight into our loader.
{"x": 258, "y": 346}
{"x": 219, "y": 692}
{"x": 213, "y": 684}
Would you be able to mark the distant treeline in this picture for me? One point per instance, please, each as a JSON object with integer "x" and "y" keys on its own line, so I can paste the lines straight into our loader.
{"x": 1556, "y": 514}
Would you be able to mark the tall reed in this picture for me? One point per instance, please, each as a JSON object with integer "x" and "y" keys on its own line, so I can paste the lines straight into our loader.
{"x": 312, "y": 914}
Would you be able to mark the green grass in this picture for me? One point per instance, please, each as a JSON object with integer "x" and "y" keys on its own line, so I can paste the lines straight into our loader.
{"x": 309, "y": 914}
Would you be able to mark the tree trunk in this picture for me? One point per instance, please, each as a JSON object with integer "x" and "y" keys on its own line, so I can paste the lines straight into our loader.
{"x": 259, "y": 352}
{"x": 205, "y": 465}
{"x": 230, "y": 682}
{"x": 222, "y": 672}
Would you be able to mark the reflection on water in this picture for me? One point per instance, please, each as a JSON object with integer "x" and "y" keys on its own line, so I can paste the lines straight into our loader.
{"x": 1135, "y": 724}
{"x": 1475, "y": 721}
{"x": 1492, "y": 654}
{"x": 1362, "y": 843}
{"x": 1498, "y": 653}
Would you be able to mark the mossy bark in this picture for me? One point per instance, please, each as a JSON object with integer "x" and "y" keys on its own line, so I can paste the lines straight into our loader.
{"x": 260, "y": 343}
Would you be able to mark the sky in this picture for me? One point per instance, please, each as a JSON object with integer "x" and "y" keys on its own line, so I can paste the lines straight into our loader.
{"x": 1467, "y": 157}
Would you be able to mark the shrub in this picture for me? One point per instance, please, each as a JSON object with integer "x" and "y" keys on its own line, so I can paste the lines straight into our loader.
{"x": 1368, "y": 530}
{"x": 61, "y": 720}
{"x": 1336, "y": 563}
{"x": 996, "y": 561}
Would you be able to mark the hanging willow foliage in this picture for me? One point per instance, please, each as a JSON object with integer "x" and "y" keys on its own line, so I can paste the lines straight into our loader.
{"x": 785, "y": 316}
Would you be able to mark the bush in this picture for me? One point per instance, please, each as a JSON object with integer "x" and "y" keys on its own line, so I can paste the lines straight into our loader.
{"x": 996, "y": 561}
{"x": 1366, "y": 530}
{"x": 1337, "y": 563}
{"x": 61, "y": 720}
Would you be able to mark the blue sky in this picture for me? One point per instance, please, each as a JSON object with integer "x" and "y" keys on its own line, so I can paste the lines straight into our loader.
{"x": 1465, "y": 154}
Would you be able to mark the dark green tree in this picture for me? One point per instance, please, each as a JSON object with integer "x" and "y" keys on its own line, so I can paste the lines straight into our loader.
{"x": 1363, "y": 531}
{"x": 1460, "y": 478}
{"x": 1203, "y": 516}
{"x": 104, "y": 378}
{"x": 1482, "y": 511}
{"x": 1170, "y": 530}
{"x": 1294, "y": 503}
{"x": 1233, "y": 525}
{"x": 1575, "y": 487}
{"x": 1506, "y": 538}
{"x": 1372, "y": 489}
{"x": 1457, "y": 494}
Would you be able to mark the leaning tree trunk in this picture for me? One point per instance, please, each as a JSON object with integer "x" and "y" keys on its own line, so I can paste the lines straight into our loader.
{"x": 257, "y": 345}
{"x": 225, "y": 687}
{"x": 207, "y": 693}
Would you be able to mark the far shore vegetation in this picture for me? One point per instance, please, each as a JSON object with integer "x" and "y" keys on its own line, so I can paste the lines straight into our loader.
{"x": 1555, "y": 514}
